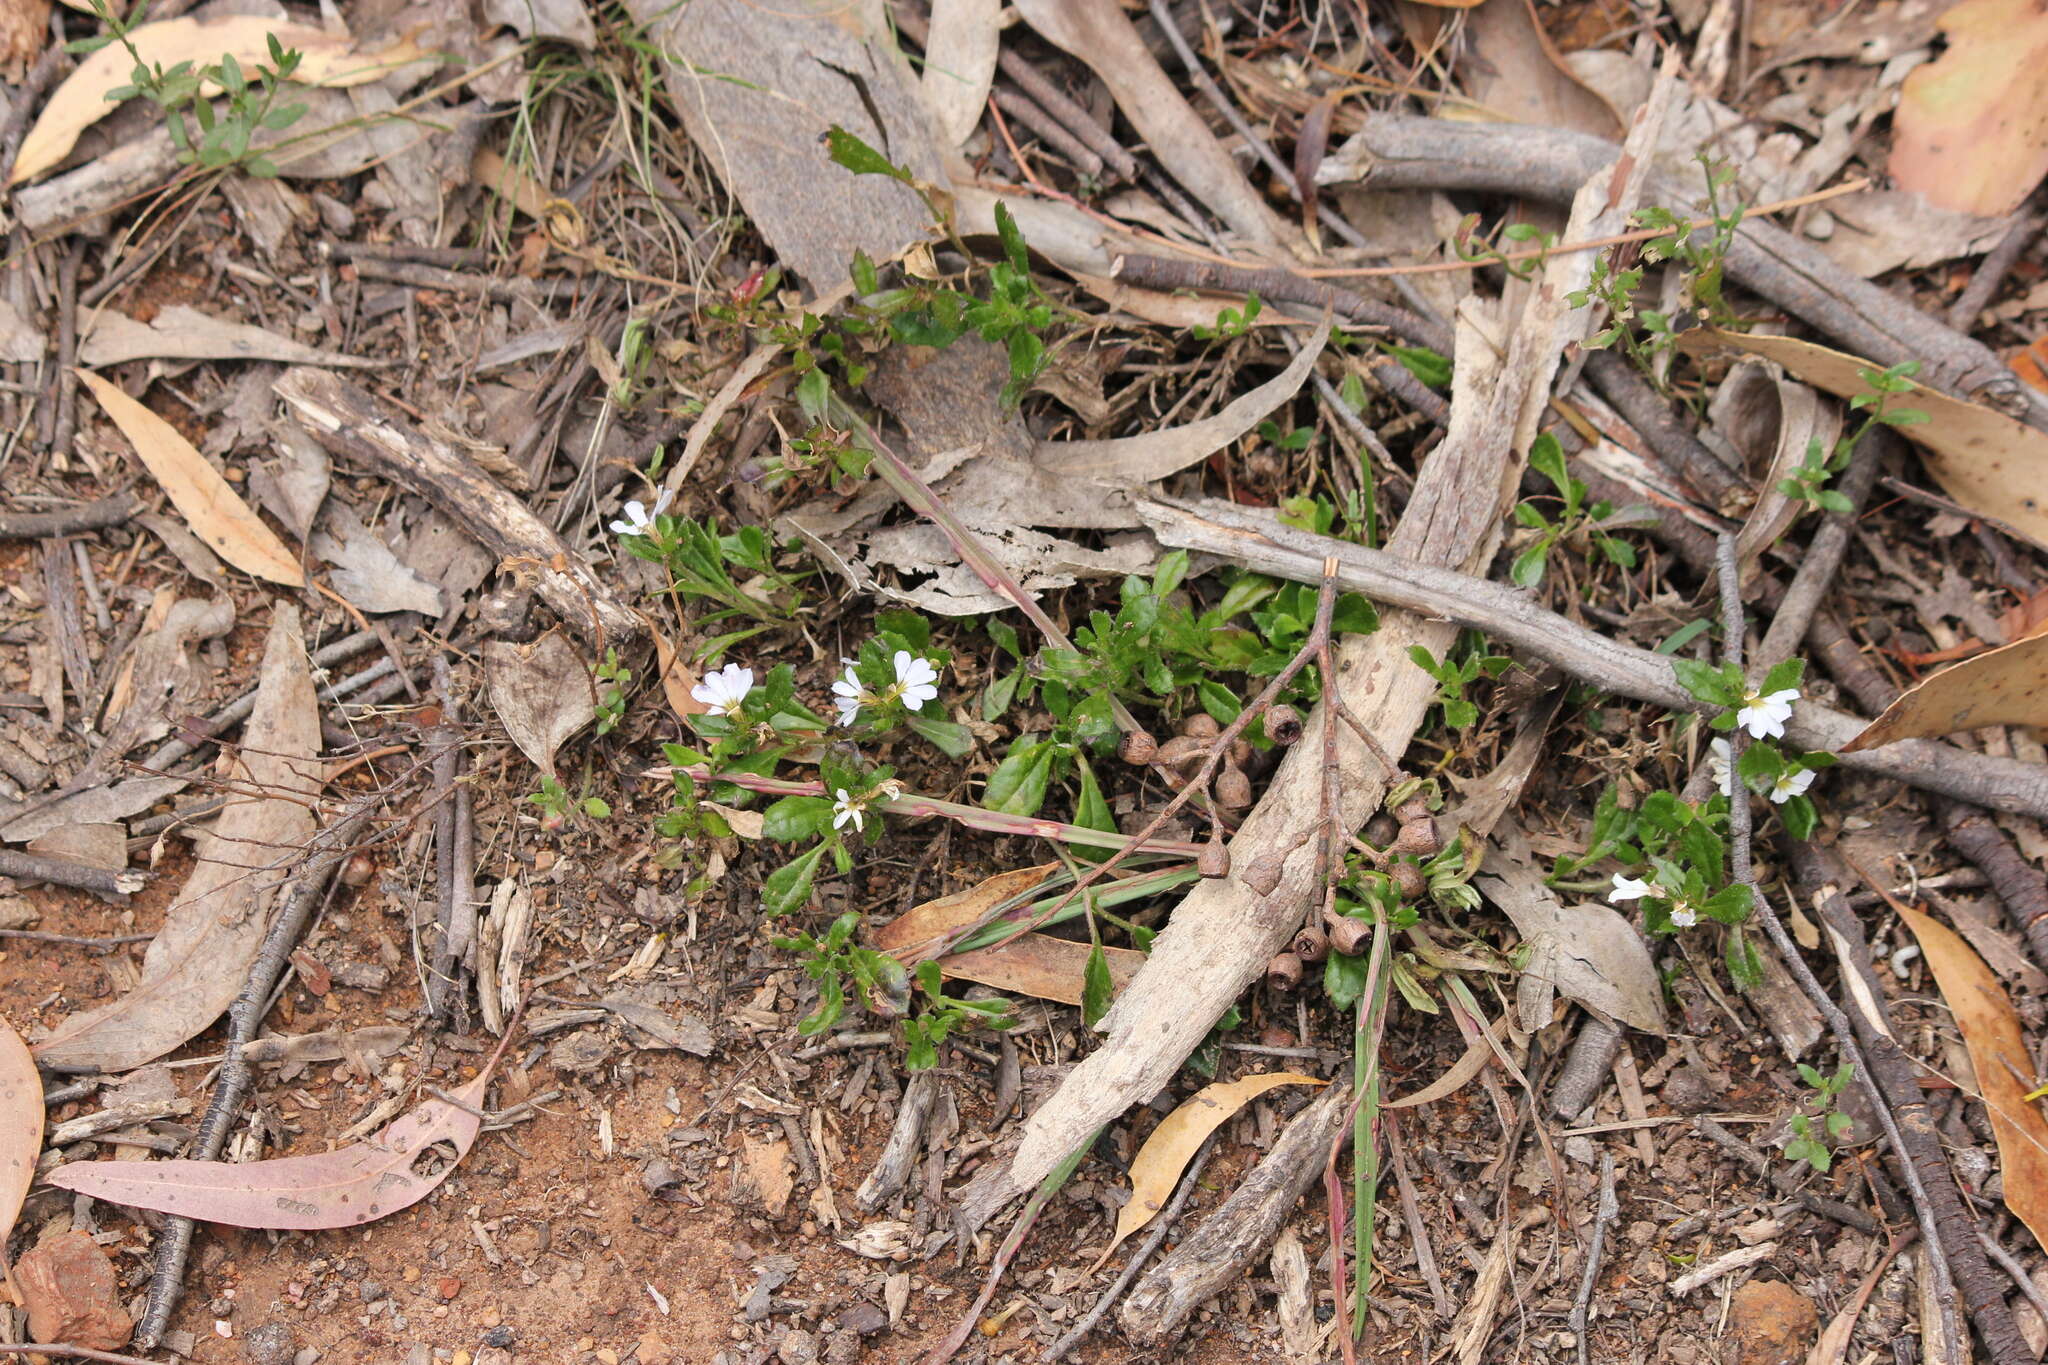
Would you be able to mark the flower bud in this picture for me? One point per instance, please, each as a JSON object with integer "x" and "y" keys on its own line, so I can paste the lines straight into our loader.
{"x": 1137, "y": 746}
{"x": 1284, "y": 971}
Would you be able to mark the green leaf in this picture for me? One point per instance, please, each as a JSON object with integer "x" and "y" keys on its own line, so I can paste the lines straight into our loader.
{"x": 849, "y": 151}
{"x": 789, "y": 886}
{"x": 1527, "y": 570}
{"x": 1097, "y": 990}
{"x": 1017, "y": 786}
{"x": 999, "y": 694}
{"x": 1091, "y": 811}
{"x": 1013, "y": 239}
{"x": 1730, "y": 905}
{"x": 1707, "y": 682}
{"x": 795, "y": 818}
{"x": 1799, "y": 816}
{"x": 920, "y": 1053}
{"x": 1426, "y": 365}
{"x": 1546, "y": 457}
{"x": 597, "y": 807}
{"x": 865, "y": 280}
{"x": 955, "y": 741}
{"x": 1343, "y": 979}
{"x": 1786, "y": 674}
{"x": 831, "y": 1002}
{"x": 1219, "y": 701}
{"x": 1172, "y": 571}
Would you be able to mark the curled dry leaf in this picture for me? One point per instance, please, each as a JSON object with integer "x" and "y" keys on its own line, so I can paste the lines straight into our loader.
{"x": 1999, "y": 1056}
{"x": 209, "y": 505}
{"x": 196, "y": 963}
{"x": 2003, "y": 687}
{"x": 1770, "y": 420}
{"x": 81, "y": 101}
{"x": 367, "y": 1180}
{"x": 180, "y": 332}
{"x": 1971, "y": 129}
{"x": 1141, "y": 459}
{"x": 677, "y": 677}
{"x": 1157, "y": 1167}
{"x": 960, "y": 64}
{"x": 542, "y": 692}
{"x": 21, "y": 1125}
{"x": 1983, "y": 459}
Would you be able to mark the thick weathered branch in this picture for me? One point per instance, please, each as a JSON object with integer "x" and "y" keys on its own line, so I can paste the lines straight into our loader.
{"x": 357, "y": 424}
{"x": 1400, "y": 152}
{"x": 111, "y": 510}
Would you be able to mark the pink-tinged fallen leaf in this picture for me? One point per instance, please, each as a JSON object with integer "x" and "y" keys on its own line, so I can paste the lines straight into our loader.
{"x": 1033, "y": 964}
{"x": 371, "y": 1179}
{"x": 2007, "y": 686}
{"x": 1998, "y": 1054}
{"x": 1971, "y": 129}
{"x": 21, "y": 1125}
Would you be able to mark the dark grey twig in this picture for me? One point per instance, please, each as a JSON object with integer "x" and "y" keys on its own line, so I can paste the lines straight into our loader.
{"x": 1604, "y": 1215}
{"x": 26, "y": 98}
{"x": 64, "y": 420}
{"x": 1993, "y": 1318}
{"x": 302, "y": 894}
{"x": 1027, "y": 111}
{"x": 1997, "y": 264}
{"x": 111, "y": 510}
{"x": 1161, "y": 1226}
{"x": 76, "y": 940}
{"x": 1824, "y": 554}
{"x": 41, "y": 867}
{"x": 239, "y": 710}
{"x": 1586, "y": 1067}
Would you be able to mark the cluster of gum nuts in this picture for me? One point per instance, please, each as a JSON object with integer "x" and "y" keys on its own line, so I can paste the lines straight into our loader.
{"x": 1184, "y": 757}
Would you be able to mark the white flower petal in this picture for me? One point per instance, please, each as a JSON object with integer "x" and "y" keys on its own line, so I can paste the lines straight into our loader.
{"x": 1719, "y": 756}
{"x": 1630, "y": 888}
{"x": 1683, "y": 917}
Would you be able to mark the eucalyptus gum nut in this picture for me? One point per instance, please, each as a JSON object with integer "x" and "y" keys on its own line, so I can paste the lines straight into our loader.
{"x": 1233, "y": 789}
{"x": 1311, "y": 944}
{"x": 1214, "y": 860}
{"x": 1347, "y": 935}
{"x": 1408, "y": 877}
{"x": 1241, "y": 751}
{"x": 1283, "y": 724}
{"x": 1137, "y": 746}
{"x": 1201, "y": 725}
{"x": 1419, "y": 837}
{"x": 1179, "y": 757}
{"x": 1381, "y": 830}
{"x": 1415, "y": 808}
{"x": 1284, "y": 971}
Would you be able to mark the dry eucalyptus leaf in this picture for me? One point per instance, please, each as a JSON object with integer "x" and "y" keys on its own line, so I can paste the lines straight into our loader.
{"x": 367, "y": 572}
{"x": 1986, "y": 461}
{"x": 543, "y": 693}
{"x": 195, "y": 965}
{"x": 180, "y": 332}
{"x": 21, "y": 1125}
{"x": 960, "y": 64}
{"x": 563, "y": 20}
{"x": 1588, "y": 952}
{"x": 92, "y": 806}
{"x": 1033, "y": 964}
{"x": 1971, "y": 128}
{"x": 353, "y": 1185}
{"x": 1157, "y": 1167}
{"x": 207, "y": 502}
{"x": 293, "y": 485}
{"x": 81, "y": 101}
{"x": 2007, "y": 686}
{"x": 1999, "y": 1055}
{"x": 1770, "y": 421}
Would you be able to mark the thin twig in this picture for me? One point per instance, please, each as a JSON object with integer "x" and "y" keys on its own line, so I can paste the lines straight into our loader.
{"x": 64, "y": 419}
{"x": 306, "y": 887}
{"x": 65, "y": 1348}
{"x": 1993, "y": 1319}
{"x": 112, "y": 510}
{"x": 1161, "y": 1226}
{"x": 76, "y": 940}
{"x": 1604, "y": 1215}
{"x": 1997, "y": 264}
{"x": 1823, "y": 555}
{"x": 41, "y": 867}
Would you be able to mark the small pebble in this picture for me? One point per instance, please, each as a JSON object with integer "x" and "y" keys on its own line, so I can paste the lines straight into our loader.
{"x": 270, "y": 1344}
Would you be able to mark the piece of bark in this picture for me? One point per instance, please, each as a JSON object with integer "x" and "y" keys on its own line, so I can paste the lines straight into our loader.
{"x": 352, "y": 422}
{"x": 1401, "y": 152}
{"x": 1232, "y": 1238}
{"x": 757, "y": 87}
{"x": 906, "y": 1138}
{"x": 112, "y": 510}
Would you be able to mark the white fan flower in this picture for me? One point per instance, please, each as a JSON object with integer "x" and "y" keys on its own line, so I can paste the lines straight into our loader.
{"x": 723, "y": 692}
{"x": 916, "y": 680}
{"x": 1683, "y": 916}
{"x": 847, "y": 807}
{"x": 1793, "y": 782}
{"x": 1765, "y": 717}
{"x": 1631, "y": 888}
{"x": 1720, "y": 762}
{"x": 848, "y": 695}
{"x": 639, "y": 519}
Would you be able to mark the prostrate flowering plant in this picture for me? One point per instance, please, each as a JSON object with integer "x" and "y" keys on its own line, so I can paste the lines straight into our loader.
{"x": 1761, "y": 712}
{"x": 894, "y": 682}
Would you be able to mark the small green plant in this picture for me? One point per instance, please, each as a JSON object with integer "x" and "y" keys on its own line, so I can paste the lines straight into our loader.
{"x": 1809, "y": 482}
{"x": 836, "y": 962}
{"x": 1576, "y": 521}
{"x": 212, "y": 140}
{"x": 1231, "y": 322}
{"x": 943, "y": 1015}
{"x": 1477, "y": 249}
{"x": 1453, "y": 674}
{"x": 1699, "y": 251}
{"x": 613, "y": 679}
{"x": 555, "y": 804}
{"x": 702, "y": 561}
{"x": 1290, "y": 438}
{"x": 1820, "y": 1124}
